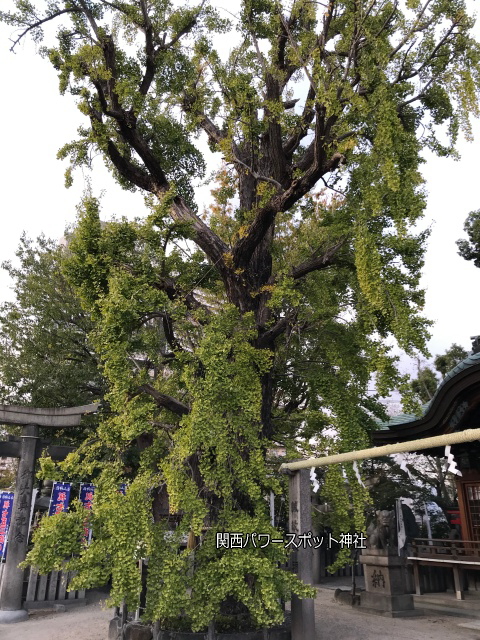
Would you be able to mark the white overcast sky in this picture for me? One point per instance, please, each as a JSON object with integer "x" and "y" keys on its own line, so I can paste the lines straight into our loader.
{"x": 36, "y": 121}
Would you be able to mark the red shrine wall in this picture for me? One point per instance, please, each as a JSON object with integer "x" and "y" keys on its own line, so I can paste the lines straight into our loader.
{"x": 468, "y": 491}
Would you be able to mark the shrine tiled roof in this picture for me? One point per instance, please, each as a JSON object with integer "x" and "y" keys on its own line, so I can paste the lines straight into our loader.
{"x": 404, "y": 418}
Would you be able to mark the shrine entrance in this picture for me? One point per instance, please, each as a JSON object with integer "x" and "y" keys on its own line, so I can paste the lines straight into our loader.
{"x": 303, "y": 617}
{"x": 28, "y": 448}
{"x": 472, "y": 508}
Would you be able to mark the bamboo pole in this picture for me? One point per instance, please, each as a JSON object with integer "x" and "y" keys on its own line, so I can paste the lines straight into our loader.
{"x": 376, "y": 452}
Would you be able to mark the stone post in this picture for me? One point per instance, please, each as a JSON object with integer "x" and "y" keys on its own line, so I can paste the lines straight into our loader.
{"x": 300, "y": 522}
{"x": 12, "y": 583}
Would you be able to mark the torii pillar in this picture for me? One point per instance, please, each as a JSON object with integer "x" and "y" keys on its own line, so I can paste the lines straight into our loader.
{"x": 300, "y": 522}
{"x": 28, "y": 448}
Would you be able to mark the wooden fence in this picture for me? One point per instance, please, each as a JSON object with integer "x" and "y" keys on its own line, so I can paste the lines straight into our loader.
{"x": 433, "y": 561}
{"x": 43, "y": 591}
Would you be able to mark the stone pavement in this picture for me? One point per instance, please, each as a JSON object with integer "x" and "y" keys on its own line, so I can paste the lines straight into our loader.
{"x": 334, "y": 621}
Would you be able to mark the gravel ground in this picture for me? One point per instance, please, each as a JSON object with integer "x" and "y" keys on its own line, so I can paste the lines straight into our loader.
{"x": 333, "y": 622}
{"x": 88, "y": 622}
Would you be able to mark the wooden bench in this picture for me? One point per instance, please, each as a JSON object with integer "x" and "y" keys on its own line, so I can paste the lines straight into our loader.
{"x": 454, "y": 554}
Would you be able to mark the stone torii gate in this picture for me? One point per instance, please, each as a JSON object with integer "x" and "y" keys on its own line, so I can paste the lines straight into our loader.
{"x": 28, "y": 448}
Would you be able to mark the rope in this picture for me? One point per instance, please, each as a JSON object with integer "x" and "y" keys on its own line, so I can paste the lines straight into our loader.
{"x": 376, "y": 452}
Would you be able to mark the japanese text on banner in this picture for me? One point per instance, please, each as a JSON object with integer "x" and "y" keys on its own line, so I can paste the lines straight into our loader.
{"x": 6, "y": 508}
{"x": 60, "y": 498}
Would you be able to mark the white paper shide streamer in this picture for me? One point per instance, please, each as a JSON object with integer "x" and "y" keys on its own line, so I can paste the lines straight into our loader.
{"x": 313, "y": 478}
{"x": 451, "y": 464}
{"x": 403, "y": 467}
{"x": 357, "y": 473}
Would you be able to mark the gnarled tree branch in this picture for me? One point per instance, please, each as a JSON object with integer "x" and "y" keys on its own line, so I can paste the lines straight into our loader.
{"x": 317, "y": 262}
{"x": 167, "y": 402}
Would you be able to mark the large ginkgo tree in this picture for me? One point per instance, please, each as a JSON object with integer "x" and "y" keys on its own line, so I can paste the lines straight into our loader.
{"x": 258, "y": 319}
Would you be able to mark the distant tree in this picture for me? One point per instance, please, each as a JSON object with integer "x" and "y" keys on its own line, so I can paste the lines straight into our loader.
{"x": 422, "y": 479}
{"x": 7, "y": 478}
{"x": 470, "y": 249}
{"x": 46, "y": 359}
{"x": 425, "y": 481}
{"x": 426, "y": 382}
{"x": 449, "y": 360}
{"x": 387, "y": 482}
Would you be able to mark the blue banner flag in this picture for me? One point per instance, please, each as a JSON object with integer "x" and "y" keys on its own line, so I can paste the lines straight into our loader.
{"x": 86, "y": 498}
{"x": 86, "y": 494}
{"x": 60, "y": 497}
{"x": 6, "y": 508}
